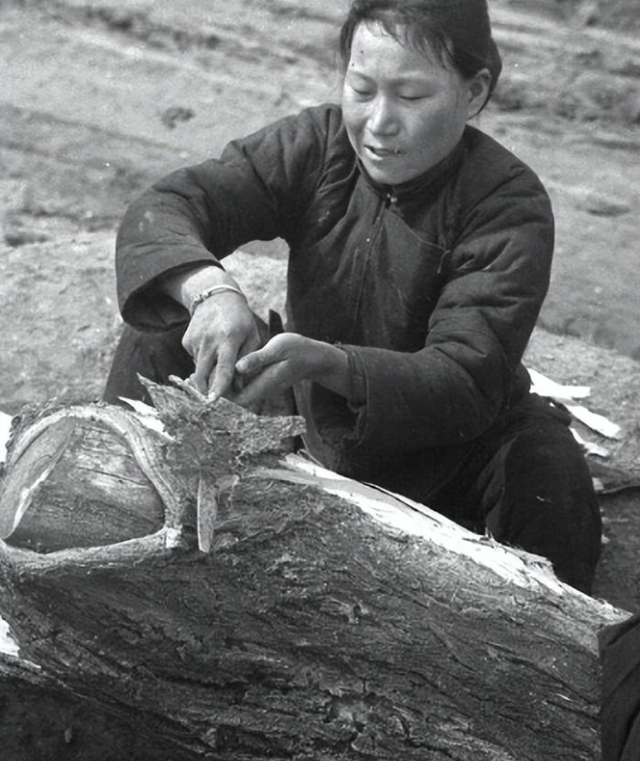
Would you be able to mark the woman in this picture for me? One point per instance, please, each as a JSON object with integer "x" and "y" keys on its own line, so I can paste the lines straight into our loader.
{"x": 420, "y": 252}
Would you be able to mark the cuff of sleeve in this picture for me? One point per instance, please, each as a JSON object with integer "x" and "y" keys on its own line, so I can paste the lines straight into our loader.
{"x": 356, "y": 392}
{"x": 147, "y": 307}
{"x": 357, "y": 384}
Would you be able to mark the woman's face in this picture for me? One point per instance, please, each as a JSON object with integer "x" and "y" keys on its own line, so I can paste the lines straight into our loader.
{"x": 404, "y": 110}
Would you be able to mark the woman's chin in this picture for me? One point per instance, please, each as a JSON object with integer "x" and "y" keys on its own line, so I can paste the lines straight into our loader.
{"x": 391, "y": 170}
{"x": 382, "y": 175}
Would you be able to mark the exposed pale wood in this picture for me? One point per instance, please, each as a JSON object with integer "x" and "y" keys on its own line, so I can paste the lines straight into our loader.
{"x": 74, "y": 482}
{"x": 330, "y": 620}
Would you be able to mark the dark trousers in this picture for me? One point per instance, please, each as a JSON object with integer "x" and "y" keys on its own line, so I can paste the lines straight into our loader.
{"x": 527, "y": 483}
{"x": 526, "y": 480}
{"x": 620, "y": 716}
{"x": 155, "y": 356}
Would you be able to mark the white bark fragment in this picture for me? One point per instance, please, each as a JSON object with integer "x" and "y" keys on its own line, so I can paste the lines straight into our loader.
{"x": 5, "y": 427}
{"x": 567, "y": 395}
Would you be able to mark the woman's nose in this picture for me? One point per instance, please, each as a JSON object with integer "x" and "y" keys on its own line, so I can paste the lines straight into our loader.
{"x": 383, "y": 118}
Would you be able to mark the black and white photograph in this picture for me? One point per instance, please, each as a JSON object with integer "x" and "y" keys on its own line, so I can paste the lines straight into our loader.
{"x": 320, "y": 380}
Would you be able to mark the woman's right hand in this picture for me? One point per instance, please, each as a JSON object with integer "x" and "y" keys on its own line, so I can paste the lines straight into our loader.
{"x": 222, "y": 328}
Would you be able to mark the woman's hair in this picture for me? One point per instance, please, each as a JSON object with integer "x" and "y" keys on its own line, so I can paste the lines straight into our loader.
{"x": 457, "y": 31}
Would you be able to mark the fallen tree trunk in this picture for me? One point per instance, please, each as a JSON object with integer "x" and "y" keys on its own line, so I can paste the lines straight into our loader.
{"x": 40, "y": 718}
{"x": 276, "y": 610}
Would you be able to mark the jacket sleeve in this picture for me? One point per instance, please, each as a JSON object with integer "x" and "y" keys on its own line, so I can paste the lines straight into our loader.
{"x": 453, "y": 389}
{"x": 198, "y": 215}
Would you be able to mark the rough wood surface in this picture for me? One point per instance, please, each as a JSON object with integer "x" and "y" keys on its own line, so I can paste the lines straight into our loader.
{"x": 330, "y": 620}
{"x": 42, "y": 720}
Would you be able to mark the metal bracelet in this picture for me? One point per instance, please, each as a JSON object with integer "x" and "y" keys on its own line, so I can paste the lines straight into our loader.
{"x": 203, "y": 295}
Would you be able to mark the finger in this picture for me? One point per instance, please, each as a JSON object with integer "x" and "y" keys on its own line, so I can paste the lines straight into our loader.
{"x": 223, "y": 373}
{"x": 250, "y": 364}
{"x": 258, "y": 389}
{"x": 250, "y": 346}
{"x": 237, "y": 384}
{"x": 205, "y": 363}
{"x": 256, "y": 361}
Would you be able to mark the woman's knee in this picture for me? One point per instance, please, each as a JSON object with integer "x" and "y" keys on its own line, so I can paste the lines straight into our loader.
{"x": 155, "y": 356}
{"x": 548, "y": 505}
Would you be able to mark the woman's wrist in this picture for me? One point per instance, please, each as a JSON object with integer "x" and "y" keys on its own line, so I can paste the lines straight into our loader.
{"x": 188, "y": 287}
{"x": 332, "y": 368}
{"x": 212, "y": 291}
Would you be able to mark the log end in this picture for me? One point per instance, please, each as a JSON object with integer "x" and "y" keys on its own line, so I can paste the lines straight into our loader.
{"x": 74, "y": 482}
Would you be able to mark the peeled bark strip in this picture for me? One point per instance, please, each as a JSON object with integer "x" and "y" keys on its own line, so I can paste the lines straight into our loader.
{"x": 328, "y": 620}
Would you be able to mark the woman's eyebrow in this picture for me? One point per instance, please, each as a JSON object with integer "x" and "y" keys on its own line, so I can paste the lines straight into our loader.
{"x": 413, "y": 75}
{"x": 416, "y": 77}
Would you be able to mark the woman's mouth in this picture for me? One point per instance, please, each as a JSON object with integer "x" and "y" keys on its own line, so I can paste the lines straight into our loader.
{"x": 381, "y": 152}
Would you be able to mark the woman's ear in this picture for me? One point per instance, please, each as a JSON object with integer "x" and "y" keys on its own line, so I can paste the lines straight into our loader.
{"x": 479, "y": 88}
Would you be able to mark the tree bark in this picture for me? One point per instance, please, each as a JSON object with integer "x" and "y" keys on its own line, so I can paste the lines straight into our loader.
{"x": 325, "y": 619}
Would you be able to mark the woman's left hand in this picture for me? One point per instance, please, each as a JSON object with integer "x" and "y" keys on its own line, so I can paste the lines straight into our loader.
{"x": 285, "y": 360}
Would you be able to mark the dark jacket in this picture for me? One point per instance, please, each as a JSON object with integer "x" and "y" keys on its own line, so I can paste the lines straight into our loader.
{"x": 432, "y": 287}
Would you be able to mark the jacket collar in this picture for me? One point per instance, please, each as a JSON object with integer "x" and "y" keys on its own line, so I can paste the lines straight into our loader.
{"x": 427, "y": 183}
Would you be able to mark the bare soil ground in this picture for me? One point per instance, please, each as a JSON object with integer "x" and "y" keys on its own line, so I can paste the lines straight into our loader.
{"x": 101, "y": 97}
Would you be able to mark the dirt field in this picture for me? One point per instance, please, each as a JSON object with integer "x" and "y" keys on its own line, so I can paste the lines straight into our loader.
{"x": 103, "y": 96}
